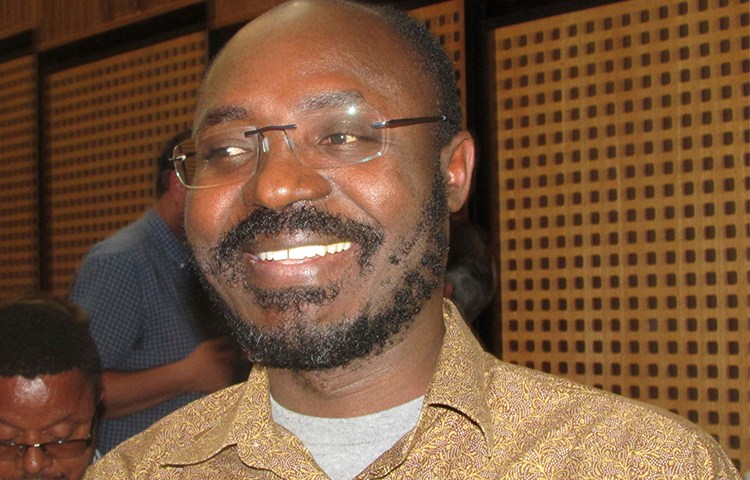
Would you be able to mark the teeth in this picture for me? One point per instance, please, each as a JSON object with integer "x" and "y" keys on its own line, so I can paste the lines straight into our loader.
{"x": 308, "y": 251}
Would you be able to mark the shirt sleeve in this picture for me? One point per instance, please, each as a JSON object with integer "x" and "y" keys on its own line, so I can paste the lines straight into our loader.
{"x": 109, "y": 289}
{"x": 712, "y": 462}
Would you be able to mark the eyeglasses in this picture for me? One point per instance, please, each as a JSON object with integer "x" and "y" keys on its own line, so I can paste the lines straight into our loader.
{"x": 330, "y": 138}
{"x": 58, "y": 449}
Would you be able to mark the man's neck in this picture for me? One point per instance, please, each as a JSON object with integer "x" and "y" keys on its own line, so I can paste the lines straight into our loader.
{"x": 400, "y": 373}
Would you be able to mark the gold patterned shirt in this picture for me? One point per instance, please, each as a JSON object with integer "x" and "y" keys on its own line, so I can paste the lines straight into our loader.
{"x": 482, "y": 418}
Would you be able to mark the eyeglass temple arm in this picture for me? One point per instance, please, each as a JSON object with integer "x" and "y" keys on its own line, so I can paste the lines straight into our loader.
{"x": 402, "y": 122}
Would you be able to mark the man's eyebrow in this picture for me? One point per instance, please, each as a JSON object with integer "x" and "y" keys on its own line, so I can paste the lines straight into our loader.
{"x": 330, "y": 99}
{"x": 224, "y": 114}
{"x": 319, "y": 101}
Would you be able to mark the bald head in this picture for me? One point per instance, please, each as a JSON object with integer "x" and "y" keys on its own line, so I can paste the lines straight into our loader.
{"x": 384, "y": 46}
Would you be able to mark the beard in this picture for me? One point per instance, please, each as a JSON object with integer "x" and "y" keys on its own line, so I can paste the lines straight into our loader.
{"x": 40, "y": 476}
{"x": 303, "y": 343}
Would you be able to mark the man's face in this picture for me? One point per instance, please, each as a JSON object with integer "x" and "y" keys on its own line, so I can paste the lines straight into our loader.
{"x": 319, "y": 266}
{"x": 45, "y": 409}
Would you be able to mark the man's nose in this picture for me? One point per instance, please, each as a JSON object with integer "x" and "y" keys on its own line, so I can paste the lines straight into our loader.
{"x": 280, "y": 178}
{"x": 34, "y": 460}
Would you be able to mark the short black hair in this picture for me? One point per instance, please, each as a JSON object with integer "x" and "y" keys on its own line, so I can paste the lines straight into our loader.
{"x": 165, "y": 165}
{"x": 437, "y": 66}
{"x": 41, "y": 335}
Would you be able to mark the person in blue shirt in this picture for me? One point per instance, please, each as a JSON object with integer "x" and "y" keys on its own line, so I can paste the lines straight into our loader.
{"x": 149, "y": 318}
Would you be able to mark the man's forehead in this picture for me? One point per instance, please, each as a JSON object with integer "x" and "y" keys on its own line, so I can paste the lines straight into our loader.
{"x": 307, "y": 103}
{"x": 305, "y": 13}
{"x": 296, "y": 48}
{"x": 49, "y": 399}
{"x": 37, "y": 390}
{"x": 295, "y": 25}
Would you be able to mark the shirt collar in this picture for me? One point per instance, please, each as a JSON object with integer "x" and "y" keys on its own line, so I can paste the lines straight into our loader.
{"x": 246, "y": 426}
{"x": 251, "y": 412}
{"x": 458, "y": 384}
{"x": 459, "y": 381}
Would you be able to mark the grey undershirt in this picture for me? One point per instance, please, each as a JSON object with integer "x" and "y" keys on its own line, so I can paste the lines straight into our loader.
{"x": 343, "y": 447}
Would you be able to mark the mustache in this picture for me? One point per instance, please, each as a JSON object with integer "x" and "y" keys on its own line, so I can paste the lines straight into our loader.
{"x": 296, "y": 219}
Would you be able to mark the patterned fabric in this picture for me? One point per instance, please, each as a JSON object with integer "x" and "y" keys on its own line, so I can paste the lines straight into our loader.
{"x": 137, "y": 290}
{"x": 482, "y": 419}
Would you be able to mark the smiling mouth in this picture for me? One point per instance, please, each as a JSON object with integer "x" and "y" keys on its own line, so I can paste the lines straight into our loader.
{"x": 301, "y": 253}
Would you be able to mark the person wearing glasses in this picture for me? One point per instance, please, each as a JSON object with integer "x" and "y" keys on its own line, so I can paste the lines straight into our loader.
{"x": 327, "y": 153}
{"x": 153, "y": 327}
{"x": 50, "y": 389}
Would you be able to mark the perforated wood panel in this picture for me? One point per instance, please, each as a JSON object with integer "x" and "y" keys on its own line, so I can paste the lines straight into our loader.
{"x": 624, "y": 174}
{"x": 19, "y": 213}
{"x": 446, "y": 21}
{"x": 107, "y": 122}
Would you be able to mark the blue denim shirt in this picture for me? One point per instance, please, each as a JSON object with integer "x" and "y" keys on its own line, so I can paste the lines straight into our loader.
{"x": 138, "y": 290}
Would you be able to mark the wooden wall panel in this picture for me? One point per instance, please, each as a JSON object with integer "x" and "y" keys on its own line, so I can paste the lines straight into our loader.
{"x": 19, "y": 212}
{"x": 624, "y": 176}
{"x": 446, "y": 21}
{"x": 107, "y": 122}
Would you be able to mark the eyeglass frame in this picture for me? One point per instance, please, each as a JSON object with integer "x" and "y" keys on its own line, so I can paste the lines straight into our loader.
{"x": 22, "y": 448}
{"x": 392, "y": 123}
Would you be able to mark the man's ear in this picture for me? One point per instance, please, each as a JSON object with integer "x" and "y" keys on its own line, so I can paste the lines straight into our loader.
{"x": 458, "y": 158}
{"x": 177, "y": 191}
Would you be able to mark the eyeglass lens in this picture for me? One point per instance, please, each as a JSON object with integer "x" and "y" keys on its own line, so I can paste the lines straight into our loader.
{"x": 58, "y": 449}
{"x": 324, "y": 139}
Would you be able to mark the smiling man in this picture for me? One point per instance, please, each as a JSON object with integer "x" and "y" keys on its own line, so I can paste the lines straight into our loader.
{"x": 326, "y": 158}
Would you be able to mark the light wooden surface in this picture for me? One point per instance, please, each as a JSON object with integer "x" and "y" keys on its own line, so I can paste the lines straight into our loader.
{"x": 624, "y": 173}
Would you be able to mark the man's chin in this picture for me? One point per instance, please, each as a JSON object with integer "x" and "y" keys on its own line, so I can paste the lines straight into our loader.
{"x": 294, "y": 300}
{"x": 291, "y": 345}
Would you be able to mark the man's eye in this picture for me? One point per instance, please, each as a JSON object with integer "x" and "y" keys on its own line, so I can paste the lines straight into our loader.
{"x": 224, "y": 153}
{"x": 340, "y": 139}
